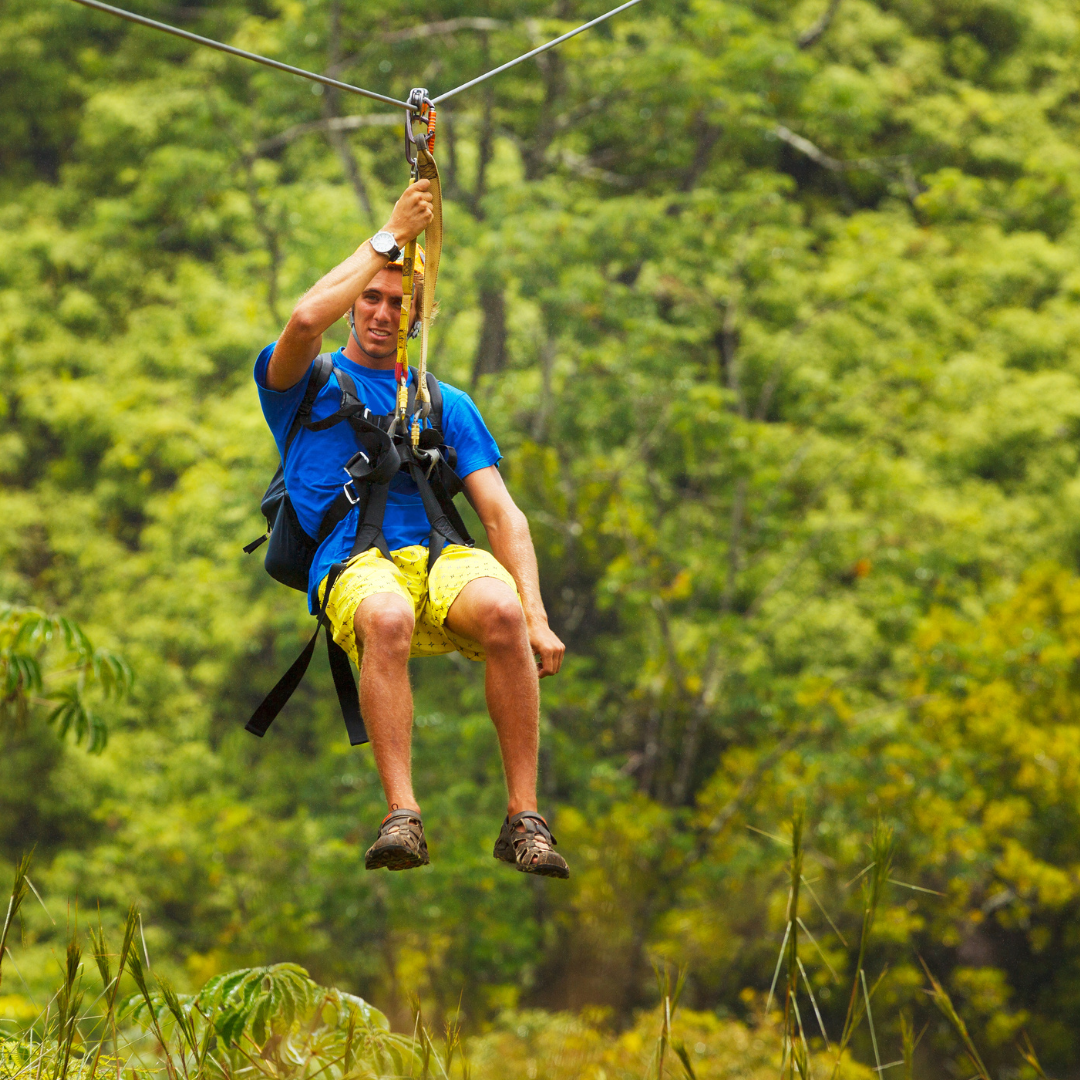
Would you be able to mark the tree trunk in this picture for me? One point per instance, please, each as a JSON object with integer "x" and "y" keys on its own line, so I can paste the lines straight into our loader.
{"x": 491, "y": 350}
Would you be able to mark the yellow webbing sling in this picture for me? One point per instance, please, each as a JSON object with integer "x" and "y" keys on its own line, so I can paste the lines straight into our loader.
{"x": 423, "y": 168}
{"x": 433, "y": 236}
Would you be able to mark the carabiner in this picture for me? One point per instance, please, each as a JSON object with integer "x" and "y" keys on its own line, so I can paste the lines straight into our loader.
{"x": 421, "y": 110}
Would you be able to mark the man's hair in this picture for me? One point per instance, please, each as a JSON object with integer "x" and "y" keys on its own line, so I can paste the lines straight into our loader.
{"x": 418, "y": 293}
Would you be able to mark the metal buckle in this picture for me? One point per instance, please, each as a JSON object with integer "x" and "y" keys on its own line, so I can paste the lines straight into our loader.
{"x": 351, "y": 482}
{"x": 359, "y": 453}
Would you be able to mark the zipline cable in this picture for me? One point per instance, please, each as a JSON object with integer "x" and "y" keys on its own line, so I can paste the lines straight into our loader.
{"x": 529, "y": 55}
{"x": 142, "y": 20}
{"x": 233, "y": 51}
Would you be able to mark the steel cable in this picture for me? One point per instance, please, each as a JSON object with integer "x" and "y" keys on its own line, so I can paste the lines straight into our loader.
{"x": 534, "y": 52}
{"x": 233, "y": 51}
{"x": 142, "y": 20}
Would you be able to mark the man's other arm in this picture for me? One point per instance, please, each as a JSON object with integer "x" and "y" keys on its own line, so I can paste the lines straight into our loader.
{"x": 508, "y": 531}
{"x": 332, "y": 296}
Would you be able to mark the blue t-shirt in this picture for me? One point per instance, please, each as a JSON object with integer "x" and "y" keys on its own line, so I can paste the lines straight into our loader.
{"x": 314, "y": 472}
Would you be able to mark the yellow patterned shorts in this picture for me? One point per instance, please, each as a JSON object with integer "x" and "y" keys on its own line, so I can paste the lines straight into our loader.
{"x": 406, "y": 574}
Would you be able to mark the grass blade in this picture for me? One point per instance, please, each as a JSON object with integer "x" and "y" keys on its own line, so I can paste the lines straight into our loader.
{"x": 814, "y": 942}
{"x": 945, "y": 1006}
{"x": 870, "y": 1020}
{"x": 18, "y": 894}
{"x": 779, "y": 961}
{"x": 813, "y": 1001}
{"x": 828, "y": 918}
{"x": 1027, "y": 1052}
{"x": 146, "y": 952}
{"x": 915, "y": 888}
{"x": 40, "y": 901}
{"x": 684, "y": 1058}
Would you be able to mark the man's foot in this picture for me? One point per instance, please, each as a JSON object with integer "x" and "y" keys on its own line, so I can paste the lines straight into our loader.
{"x": 526, "y": 841}
{"x": 401, "y": 844}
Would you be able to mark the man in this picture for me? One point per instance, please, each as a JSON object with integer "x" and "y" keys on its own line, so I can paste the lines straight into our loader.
{"x": 382, "y": 611}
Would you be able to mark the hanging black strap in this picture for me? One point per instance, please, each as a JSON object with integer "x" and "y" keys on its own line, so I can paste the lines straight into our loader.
{"x": 274, "y": 702}
{"x": 345, "y": 685}
{"x": 340, "y": 668}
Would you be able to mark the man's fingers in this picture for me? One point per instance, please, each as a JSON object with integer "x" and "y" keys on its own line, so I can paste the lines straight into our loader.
{"x": 549, "y": 663}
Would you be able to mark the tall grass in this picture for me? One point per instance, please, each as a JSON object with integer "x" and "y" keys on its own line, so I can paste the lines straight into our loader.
{"x": 276, "y": 1023}
{"x": 798, "y": 1034}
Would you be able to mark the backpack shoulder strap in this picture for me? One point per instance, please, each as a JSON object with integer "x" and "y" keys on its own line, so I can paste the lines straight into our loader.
{"x": 322, "y": 367}
{"x": 346, "y": 382}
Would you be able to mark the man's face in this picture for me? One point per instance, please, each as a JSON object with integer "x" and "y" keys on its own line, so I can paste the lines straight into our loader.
{"x": 378, "y": 314}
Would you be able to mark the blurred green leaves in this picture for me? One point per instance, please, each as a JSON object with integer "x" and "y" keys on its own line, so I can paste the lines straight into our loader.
{"x": 48, "y": 662}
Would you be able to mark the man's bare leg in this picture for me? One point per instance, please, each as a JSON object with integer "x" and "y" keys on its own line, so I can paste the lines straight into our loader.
{"x": 384, "y": 625}
{"x": 488, "y": 611}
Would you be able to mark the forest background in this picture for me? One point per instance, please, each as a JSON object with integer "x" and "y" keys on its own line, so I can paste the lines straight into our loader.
{"x": 774, "y": 309}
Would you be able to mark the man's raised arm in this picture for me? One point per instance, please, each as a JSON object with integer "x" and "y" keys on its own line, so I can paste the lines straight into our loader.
{"x": 333, "y": 295}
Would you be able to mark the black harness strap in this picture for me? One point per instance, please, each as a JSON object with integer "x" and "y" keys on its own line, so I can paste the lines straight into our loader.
{"x": 443, "y": 529}
{"x": 322, "y": 368}
{"x": 369, "y": 531}
{"x": 340, "y": 668}
{"x": 347, "y": 694}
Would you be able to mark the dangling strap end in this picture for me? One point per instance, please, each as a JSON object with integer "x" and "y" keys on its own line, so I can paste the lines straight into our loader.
{"x": 257, "y": 543}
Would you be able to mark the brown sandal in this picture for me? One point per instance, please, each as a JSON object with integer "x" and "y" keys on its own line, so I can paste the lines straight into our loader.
{"x": 531, "y": 849}
{"x": 401, "y": 844}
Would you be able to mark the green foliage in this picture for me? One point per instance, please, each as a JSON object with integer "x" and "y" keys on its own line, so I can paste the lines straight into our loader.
{"x": 778, "y": 331}
{"x": 27, "y": 636}
{"x": 276, "y": 1015}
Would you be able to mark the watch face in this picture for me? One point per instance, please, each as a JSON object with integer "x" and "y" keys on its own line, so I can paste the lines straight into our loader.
{"x": 383, "y": 242}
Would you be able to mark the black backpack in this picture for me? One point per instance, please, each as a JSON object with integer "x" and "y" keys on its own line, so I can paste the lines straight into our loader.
{"x": 382, "y": 452}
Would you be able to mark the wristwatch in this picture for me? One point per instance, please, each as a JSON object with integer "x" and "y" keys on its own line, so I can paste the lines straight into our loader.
{"x": 384, "y": 244}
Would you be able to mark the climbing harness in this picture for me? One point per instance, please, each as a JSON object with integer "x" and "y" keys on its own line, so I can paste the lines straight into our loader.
{"x": 408, "y": 440}
{"x": 382, "y": 453}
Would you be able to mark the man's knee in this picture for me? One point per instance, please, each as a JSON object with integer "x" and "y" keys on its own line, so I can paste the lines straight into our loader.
{"x": 385, "y": 624}
{"x": 503, "y": 622}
